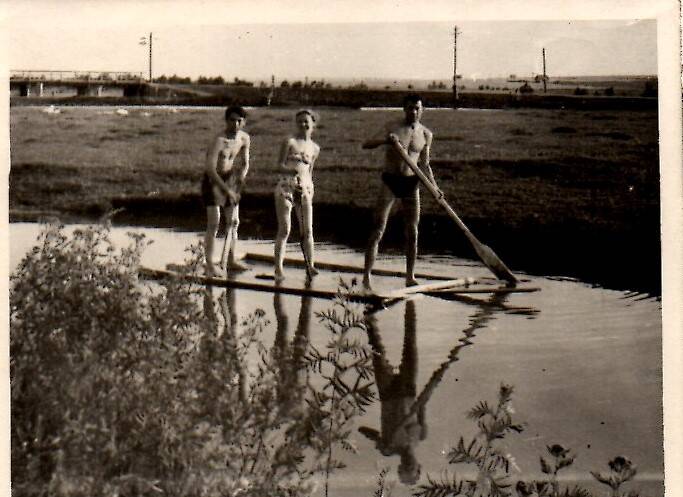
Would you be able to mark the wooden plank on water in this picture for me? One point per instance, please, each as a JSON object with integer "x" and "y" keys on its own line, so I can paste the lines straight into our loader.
{"x": 345, "y": 268}
{"x": 428, "y": 287}
{"x": 369, "y": 298}
{"x": 484, "y": 289}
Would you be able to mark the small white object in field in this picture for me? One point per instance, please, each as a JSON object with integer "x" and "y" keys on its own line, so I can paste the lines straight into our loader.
{"x": 51, "y": 110}
{"x": 122, "y": 112}
{"x": 173, "y": 110}
{"x": 146, "y": 114}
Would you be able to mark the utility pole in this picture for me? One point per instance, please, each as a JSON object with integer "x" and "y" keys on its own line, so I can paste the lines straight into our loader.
{"x": 545, "y": 78}
{"x": 455, "y": 66}
{"x": 143, "y": 41}
{"x": 150, "y": 57}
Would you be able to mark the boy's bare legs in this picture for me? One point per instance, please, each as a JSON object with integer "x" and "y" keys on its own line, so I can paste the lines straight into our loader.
{"x": 283, "y": 210}
{"x": 305, "y": 216}
{"x": 232, "y": 222}
{"x": 382, "y": 210}
{"x": 410, "y": 206}
{"x": 213, "y": 218}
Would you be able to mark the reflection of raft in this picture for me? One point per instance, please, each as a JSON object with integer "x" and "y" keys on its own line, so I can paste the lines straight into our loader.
{"x": 326, "y": 285}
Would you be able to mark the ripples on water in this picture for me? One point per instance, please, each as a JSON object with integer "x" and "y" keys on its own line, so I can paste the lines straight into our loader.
{"x": 585, "y": 363}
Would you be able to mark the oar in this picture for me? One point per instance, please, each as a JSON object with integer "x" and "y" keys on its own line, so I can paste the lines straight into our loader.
{"x": 485, "y": 253}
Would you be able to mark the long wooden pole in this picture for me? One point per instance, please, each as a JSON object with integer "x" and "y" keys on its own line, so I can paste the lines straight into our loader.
{"x": 485, "y": 253}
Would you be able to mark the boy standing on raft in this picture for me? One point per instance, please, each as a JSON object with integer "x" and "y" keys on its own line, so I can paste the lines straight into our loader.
{"x": 222, "y": 183}
{"x": 399, "y": 182}
{"x": 295, "y": 190}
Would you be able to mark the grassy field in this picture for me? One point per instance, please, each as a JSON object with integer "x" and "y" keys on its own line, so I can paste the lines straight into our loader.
{"x": 546, "y": 186}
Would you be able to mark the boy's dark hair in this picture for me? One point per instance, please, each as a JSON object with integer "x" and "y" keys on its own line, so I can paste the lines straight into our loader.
{"x": 412, "y": 98}
{"x": 310, "y": 112}
{"x": 236, "y": 109}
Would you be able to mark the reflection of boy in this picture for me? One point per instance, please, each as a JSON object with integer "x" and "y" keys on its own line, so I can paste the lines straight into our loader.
{"x": 291, "y": 356}
{"x": 402, "y": 426}
{"x": 222, "y": 183}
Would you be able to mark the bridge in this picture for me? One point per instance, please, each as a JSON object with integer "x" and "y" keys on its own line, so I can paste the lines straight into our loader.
{"x": 34, "y": 82}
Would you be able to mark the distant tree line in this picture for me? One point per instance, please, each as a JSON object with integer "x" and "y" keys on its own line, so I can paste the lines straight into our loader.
{"x": 298, "y": 84}
{"x": 203, "y": 80}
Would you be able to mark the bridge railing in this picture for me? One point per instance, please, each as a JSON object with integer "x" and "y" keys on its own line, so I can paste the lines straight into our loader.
{"x": 94, "y": 76}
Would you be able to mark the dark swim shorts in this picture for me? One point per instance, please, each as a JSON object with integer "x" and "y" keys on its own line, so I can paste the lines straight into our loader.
{"x": 208, "y": 197}
{"x": 401, "y": 186}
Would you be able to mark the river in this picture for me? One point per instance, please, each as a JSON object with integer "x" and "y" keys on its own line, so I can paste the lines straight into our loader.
{"x": 585, "y": 363}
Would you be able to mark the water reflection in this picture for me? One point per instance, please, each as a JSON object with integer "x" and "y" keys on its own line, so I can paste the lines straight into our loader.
{"x": 402, "y": 423}
{"x": 402, "y": 418}
{"x": 299, "y": 393}
{"x": 291, "y": 356}
{"x": 228, "y": 334}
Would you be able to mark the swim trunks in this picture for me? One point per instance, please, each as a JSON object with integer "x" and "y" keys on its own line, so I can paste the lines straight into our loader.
{"x": 401, "y": 186}
{"x": 212, "y": 195}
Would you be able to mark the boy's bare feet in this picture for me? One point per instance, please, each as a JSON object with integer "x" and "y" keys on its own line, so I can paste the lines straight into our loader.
{"x": 411, "y": 281}
{"x": 311, "y": 271}
{"x": 366, "y": 282}
{"x": 210, "y": 271}
{"x": 236, "y": 265}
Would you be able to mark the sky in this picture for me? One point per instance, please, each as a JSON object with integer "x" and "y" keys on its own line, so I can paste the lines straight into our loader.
{"x": 188, "y": 43}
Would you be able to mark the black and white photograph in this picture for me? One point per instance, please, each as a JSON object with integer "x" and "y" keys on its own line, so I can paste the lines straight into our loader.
{"x": 342, "y": 249}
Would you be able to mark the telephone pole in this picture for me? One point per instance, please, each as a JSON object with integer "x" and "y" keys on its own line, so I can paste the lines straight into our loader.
{"x": 150, "y": 57}
{"x": 455, "y": 66}
{"x": 545, "y": 78}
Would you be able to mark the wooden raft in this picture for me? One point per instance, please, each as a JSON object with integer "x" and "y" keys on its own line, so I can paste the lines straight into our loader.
{"x": 451, "y": 286}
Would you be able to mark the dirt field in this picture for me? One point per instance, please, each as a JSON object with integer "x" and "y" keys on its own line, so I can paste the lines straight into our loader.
{"x": 552, "y": 191}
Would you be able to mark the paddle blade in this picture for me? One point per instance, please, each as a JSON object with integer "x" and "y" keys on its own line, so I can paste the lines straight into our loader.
{"x": 493, "y": 262}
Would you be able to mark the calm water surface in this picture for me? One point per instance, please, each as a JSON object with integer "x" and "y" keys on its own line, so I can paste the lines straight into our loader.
{"x": 585, "y": 364}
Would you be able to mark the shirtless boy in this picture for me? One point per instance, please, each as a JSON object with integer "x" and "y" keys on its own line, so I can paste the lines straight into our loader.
{"x": 222, "y": 183}
{"x": 399, "y": 182}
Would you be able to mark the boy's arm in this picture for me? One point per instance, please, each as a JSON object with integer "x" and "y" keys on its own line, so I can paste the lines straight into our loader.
{"x": 315, "y": 156}
{"x": 210, "y": 166}
{"x": 245, "y": 157}
{"x": 282, "y": 159}
{"x": 378, "y": 140}
{"x": 423, "y": 160}
{"x": 374, "y": 143}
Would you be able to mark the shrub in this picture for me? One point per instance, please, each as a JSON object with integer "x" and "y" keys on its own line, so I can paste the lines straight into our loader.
{"x": 126, "y": 387}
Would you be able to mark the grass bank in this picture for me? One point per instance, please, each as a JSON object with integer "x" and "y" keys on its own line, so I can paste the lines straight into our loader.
{"x": 552, "y": 191}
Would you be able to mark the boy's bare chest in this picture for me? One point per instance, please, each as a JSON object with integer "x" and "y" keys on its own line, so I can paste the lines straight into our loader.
{"x": 230, "y": 149}
{"x": 413, "y": 139}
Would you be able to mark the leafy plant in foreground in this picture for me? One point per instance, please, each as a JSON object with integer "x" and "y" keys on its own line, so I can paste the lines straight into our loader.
{"x": 621, "y": 471}
{"x": 493, "y": 466}
{"x": 561, "y": 458}
{"x": 346, "y": 368}
{"x": 122, "y": 387}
